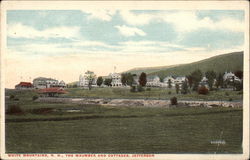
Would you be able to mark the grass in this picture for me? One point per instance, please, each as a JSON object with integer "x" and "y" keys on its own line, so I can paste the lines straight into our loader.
{"x": 113, "y": 129}
{"x": 25, "y": 97}
{"x": 154, "y": 93}
{"x": 152, "y": 130}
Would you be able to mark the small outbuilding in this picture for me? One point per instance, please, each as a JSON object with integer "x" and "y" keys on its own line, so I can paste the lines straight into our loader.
{"x": 52, "y": 92}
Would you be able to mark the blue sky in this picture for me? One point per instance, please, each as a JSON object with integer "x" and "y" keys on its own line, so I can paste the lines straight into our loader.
{"x": 101, "y": 39}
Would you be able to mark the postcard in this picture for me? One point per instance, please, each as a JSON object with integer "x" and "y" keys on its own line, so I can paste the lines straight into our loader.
{"x": 124, "y": 80}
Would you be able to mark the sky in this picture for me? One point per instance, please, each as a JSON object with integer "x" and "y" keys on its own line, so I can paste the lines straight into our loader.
{"x": 63, "y": 44}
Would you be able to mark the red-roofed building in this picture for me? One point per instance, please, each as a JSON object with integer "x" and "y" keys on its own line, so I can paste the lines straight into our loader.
{"x": 51, "y": 92}
{"x": 24, "y": 85}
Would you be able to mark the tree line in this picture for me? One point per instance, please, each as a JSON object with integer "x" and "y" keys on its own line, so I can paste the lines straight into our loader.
{"x": 192, "y": 82}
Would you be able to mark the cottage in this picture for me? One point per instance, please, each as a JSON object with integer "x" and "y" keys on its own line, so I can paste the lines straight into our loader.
{"x": 116, "y": 79}
{"x": 62, "y": 84}
{"x": 229, "y": 76}
{"x": 167, "y": 80}
{"x": 179, "y": 80}
{"x": 24, "y": 85}
{"x": 84, "y": 80}
{"x": 153, "y": 81}
{"x": 42, "y": 82}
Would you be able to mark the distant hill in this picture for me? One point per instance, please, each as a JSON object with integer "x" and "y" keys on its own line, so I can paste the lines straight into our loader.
{"x": 148, "y": 70}
{"x": 220, "y": 64}
{"x": 226, "y": 62}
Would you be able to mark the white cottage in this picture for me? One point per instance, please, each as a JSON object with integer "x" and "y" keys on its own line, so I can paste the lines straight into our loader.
{"x": 166, "y": 81}
{"x": 84, "y": 80}
{"x": 153, "y": 81}
{"x": 229, "y": 76}
{"x": 43, "y": 82}
{"x": 179, "y": 80}
{"x": 116, "y": 79}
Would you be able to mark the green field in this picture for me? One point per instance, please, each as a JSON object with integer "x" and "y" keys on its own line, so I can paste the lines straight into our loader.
{"x": 48, "y": 127}
{"x": 154, "y": 93}
{"x": 131, "y": 130}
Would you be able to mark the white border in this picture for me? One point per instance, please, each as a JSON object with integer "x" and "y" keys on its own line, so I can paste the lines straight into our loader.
{"x": 158, "y": 5}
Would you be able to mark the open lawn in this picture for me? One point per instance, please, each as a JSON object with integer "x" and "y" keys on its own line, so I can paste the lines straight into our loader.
{"x": 50, "y": 128}
{"x": 131, "y": 130}
{"x": 154, "y": 93}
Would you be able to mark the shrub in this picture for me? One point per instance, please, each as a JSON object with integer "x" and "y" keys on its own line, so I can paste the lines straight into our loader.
{"x": 14, "y": 109}
{"x": 173, "y": 101}
{"x": 238, "y": 86}
{"x": 34, "y": 98}
{"x": 12, "y": 97}
{"x": 169, "y": 92}
{"x": 230, "y": 99}
{"x": 16, "y": 99}
{"x": 132, "y": 89}
{"x": 140, "y": 88}
{"x": 203, "y": 90}
{"x": 226, "y": 94}
{"x": 148, "y": 89}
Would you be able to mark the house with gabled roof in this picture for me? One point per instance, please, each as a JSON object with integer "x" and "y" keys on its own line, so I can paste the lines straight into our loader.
{"x": 24, "y": 85}
{"x": 153, "y": 81}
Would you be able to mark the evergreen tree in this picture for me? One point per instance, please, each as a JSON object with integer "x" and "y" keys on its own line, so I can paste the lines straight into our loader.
{"x": 99, "y": 81}
{"x": 184, "y": 87}
{"x": 190, "y": 81}
{"x": 108, "y": 81}
{"x": 219, "y": 80}
{"x": 169, "y": 83}
{"x": 143, "y": 79}
{"x": 210, "y": 75}
{"x": 196, "y": 77}
{"x": 177, "y": 88}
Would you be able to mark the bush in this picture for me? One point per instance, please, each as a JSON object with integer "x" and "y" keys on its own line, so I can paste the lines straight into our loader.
{"x": 230, "y": 99}
{"x": 34, "y": 98}
{"x": 203, "y": 90}
{"x": 140, "y": 88}
{"x": 173, "y": 101}
{"x": 148, "y": 89}
{"x": 169, "y": 92}
{"x": 14, "y": 109}
{"x": 16, "y": 99}
{"x": 12, "y": 97}
{"x": 132, "y": 89}
{"x": 238, "y": 86}
{"x": 226, "y": 94}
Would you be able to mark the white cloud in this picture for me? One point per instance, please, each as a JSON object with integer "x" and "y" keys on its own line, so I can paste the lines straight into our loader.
{"x": 19, "y": 30}
{"x": 183, "y": 21}
{"x": 136, "y": 19}
{"x": 130, "y": 31}
{"x": 101, "y": 14}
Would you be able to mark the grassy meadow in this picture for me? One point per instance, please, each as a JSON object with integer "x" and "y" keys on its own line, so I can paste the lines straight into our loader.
{"x": 50, "y": 127}
{"x": 154, "y": 93}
